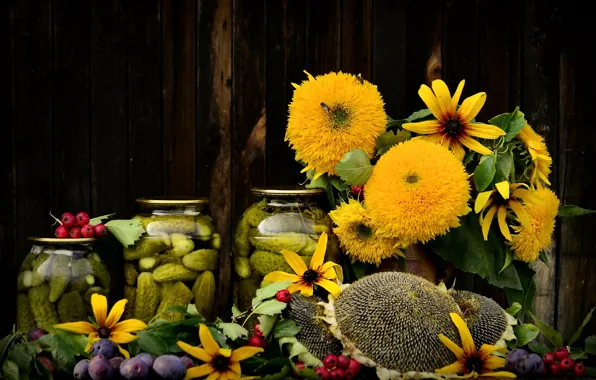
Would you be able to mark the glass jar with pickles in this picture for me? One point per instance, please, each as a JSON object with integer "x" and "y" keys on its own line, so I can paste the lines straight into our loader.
{"x": 175, "y": 262}
{"x": 290, "y": 218}
{"x": 56, "y": 280}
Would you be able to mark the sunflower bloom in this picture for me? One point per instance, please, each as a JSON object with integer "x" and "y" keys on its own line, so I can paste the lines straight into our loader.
{"x": 471, "y": 362}
{"x": 506, "y": 196}
{"x": 331, "y": 115}
{"x": 454, "y": 127}
{"x": 527, "y": 243}
{"x": 417, "y": 191}
{"x": 541, "y": 159}
{"x": 108, "y": 325}
{"x": 324, "y": 275}
{"x": 357, "y": 234}
{"x": 220, "y": 363}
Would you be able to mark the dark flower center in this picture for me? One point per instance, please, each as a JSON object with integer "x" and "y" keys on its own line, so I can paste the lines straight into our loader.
{"x": 339, "y": 115}
{"x": 474, "y": 364}
{"x": 363, "y": 232}
{"x": 412, "y": 178}
{"x": 221, "y": 363}
{"x": 453, "y": 127}
{"x": 310, "y": 276}
{"x": 104, "y": 332}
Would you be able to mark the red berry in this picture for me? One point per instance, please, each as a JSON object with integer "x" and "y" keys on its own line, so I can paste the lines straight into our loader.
{"x": 343, "y": 361}
{"x": 87, "y": 231}
{"x": 579, "y": 369}
{"x": 330, "y": 361}
{"x": 283, "y": 296}
{"x": 337, "y": 374}
{"x": 549, "y": 358}
{"x": 68, "y": 220}
{"x": 567, "y": 364}
{"x": 255, "y": 341}
{"x": 75, "y": 232}
{"x": 357, "y": 190}
{"x": 61, "y": 232}
{"x": 354, "y": 366}
{"x": 82, "y": 218}
{"x": 562, "y": 353}
{"x": 322, "y": 372}
{"x": 257, "y": 330}
{"x": 100, "y": 230}
{"x": 349, "y": 374}
{"x": 263, "y": 343}
{"x": 555, "y": 369}
{"x": 46, "y": 363}
{"x": 300, "y": 367}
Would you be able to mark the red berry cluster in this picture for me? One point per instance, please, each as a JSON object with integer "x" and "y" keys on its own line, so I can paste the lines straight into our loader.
{"x": 283, "y": 296}
{"x": 560, "y": 362}
{"x": 338, "y": 368}
{"x": 78, "y": 226}
{"x": 357, "y": 191}
{"x": 257, "y": 340}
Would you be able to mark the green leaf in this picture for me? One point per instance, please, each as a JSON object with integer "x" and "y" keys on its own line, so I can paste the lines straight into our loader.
{"x": 501, "y": 120}
{"x": 389, "y": 139}
{"x": 359, "y": 269}
{"x": 420, "y": 114}
{"x": 590, "y": 371}
{"x": 323, "y": 182}
{"x": 577, "y": 353}
{"x": 503, "y": 166}
{"x": 285, "y": 328}
{"x": 355, "y": 168}
{"x": 126, "y": 231}
{"x": 469, "y": 157}
{"x": 98, "y": 219}
{"x": 22, "y": 355}
{"x": 175, "y": 309}
{"x": 539, "y": 348}
{"x": 298, "y": 349}
{"x": 269, "y": 291}
{"x": 508, "y": 260}
{"x": 339, "y": 184}
{"x": 544, "y": 258}
{"x": 219, "y": 337}
{"x": 270, "y": 307}
{"x": 549, "y": 333}
{"x": 191, "y": 309}
{"x": 65, "y": 348}
{"x": 514, "y": 309}
{"x": 576, "y": 335}
{"x": 525, "y": 334}
{"x": 235, "y": 311}
{"x": 266, "y": 323}
{"x": 572, "y": 210}
{"x": 516, "y": 124}
{"x": 10, "y": 370}
{"x": 590, "y": 346}
{"x": 525, "y": 297}
{"x": 152, "y": 343}
{"x": 484, "y": 172}
{"x": 233, "y": 330}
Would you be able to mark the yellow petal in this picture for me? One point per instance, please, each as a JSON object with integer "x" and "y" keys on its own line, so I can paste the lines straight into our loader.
{"x": 317, "y": 175}
{"x": 207, "y": 341}
{"x": 436, "y": 138}
{"x": 471, "y": 106}
{"x": 451, "y": 369}
{"x": 500, "y": 374}
{"x": 77, "y": 327}
{"x": 457, "y": 94}
{"x": 486, "y": 350}
{"x": 467, "y": 341}
{"x": 443, "y": 96}
{"x": 423, "y": 127}
{"x": 99, "y": 304}
{"x": 327, "y": 270}
{"x": 502, "y": 218}
{"x": 488, "y": 219}
{"x": 225, "y": 352}
{"x": 223, "y": 376}
{"x": 124, "y": 353}
{"x": 457, "y": 350}
{"x": 427, "y": 96}
{"x": 330, "y": 286}
{"x": 521, "y": 214}
{"x": 319, "y": 256}
{"x": 294, "y": 261}
{"x": 484, "y": 131}
{"x": 214, "y": 376}
{"x": 195, "y": 352}
{"x": 279, "y": 276}
{"x": 122, "y": 337}
{"x": 242, "y": 353}
{"x": 129, "y": 325}
{"x": 200, "y": 371}
{"x": 305, "y": 290}
{"x": 115, "y": 313}
{"x": 457, "y": 150}
{"x": 93, "y": 337}
{"x": 474, "y": 145}
{"x": 493, "y": 362}
{"x": 503, "y": 189}
{"x": 235, "y": 367}
{"x": 481, "y": 200}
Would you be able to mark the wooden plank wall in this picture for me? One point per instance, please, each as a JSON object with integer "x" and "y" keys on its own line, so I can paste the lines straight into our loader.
{"x": 105, "y": 101}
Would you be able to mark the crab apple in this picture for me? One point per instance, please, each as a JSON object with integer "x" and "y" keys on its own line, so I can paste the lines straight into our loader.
{"x": 257, "y": 330}
{"x": 343, "y": 361}
{"x": 68, "y": 220}
{"x": 283, "y": 296}
{"x": 579, "y": 369}
{"x": 330, "y": 361}
{"x": 567, "y": 364}
{"x": 255, "y": 341}
{"x": 322, "y": 372}
{"x": 75, "y": 233}
{"x": 555, "y": 369}
{"x": 87, "y": 231}
{"x": 562, "y": 353}
{"x": 82, "y": 218}
{"x": 336, "y": 374}
{"x": 61, "y": 232}
{"x": 549, "y": 358}
{"x": 100, "y": 230}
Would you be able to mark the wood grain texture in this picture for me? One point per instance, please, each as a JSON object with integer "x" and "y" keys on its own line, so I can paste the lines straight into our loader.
{"x": 323, "y": 36}
{"x": 356, "y": 37}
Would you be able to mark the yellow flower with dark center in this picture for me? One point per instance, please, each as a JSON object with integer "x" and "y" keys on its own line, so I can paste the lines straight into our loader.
{"x": 324, "y": 275}
{"x": 357, "y": 235}
{"x": 541, "y": 159}
{"x": 417, "y": 191}
{"x": 471, "y": 362}
{"x": 220, "y": 363}
{"x": 454, "y": 127}
{"x": 527, "y": 243}
{"x": 107, "y": 326}
{"x": 498, "y": 201}
{"x": 331, "y": 115}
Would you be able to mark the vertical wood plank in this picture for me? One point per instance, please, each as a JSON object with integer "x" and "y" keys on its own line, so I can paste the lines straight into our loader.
{"x": 286, "y": 60}
{"x": 356, "y": 37}
{"x": 144, "y": 106}
{"x": 323, "y": 36}
{"x": 179, "y": 96}
{"x": 214, "y": 170}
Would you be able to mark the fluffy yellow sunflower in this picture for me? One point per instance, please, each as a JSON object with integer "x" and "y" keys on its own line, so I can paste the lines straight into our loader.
{"x": 541, "y": 159}
{"x": 527, "y": 242}
{"x": 454, "y": 127}
{"x": 357, "y": 234}
{"x": 417, "y": 191}
{"x": 332, "y": 114}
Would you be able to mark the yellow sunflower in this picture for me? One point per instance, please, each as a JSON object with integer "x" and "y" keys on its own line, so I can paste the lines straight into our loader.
{"x": 417, "y": 191}
{"x": 528, "y": 242}
{"x": 357, "y": 234}
{"x": 332, "y": 114}
{"x": 454, "y": 127}
{"x": 541, "y": 159}
{"x": 471, "y": 362}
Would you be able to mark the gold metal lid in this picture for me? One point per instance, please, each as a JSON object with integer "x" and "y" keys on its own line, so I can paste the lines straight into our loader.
{"x": 61, "y": 241}
{"x": 172, "y": 201}
{"x": 287, "y": 191}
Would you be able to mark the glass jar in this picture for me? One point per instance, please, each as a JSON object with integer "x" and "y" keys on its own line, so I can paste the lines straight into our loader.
{"x": 175, "y": 262}
{"x": 291, "y": 218}
{"x": 56, "y": 280}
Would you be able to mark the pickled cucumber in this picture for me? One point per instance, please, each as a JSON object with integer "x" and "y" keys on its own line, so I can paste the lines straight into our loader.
{"x": 60, "y": 276}
{"x": 181, "y": 245}
{"x": 25, "y": 320}
{"x": 173, "y": 272}
{"x": 242, "y": 267}
{"x": 145, "y": 247}
{"x": 205, "y": 227}
{"x": 41, "y": 268}
{"x": 147, "y": 298}
{"x": 147, "y": 264}
{"x": 309, "y": 248}
{"x": 169, "y": 226}
{"x": 81, "y": 284}
{"x": 27, "y": 264}
{"x": 216, "y": 241}
{"x": 71, "y": 308}
{"x": 255, "y": 214}
{"x": 100, "y": 270}
{"x": 130, "y": 274}
{"x": 264, "y": 262}
{"x": 164, "y": 288}
{"x": 24, "y": 280}
{"x": 241, "y": 240}
{"x": 290, "y": 241}
{"x": 129, "y": 294}
{"x": 178, "y": 295}
{"x": 204, "y": 293}
{"x": 42, "y": 309}
{"x": 81, "y": 267}
{"x": 201, "y": 259}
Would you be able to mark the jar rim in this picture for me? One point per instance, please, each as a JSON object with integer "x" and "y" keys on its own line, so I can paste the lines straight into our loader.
{"x": 287, "y": 191}
{"x": 61, "y": 240}
{"x": 172, "y": 201}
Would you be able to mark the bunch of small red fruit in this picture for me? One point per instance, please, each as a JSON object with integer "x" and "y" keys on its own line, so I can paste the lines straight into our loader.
{"x": 560, "y": 362}
{"x": 338, "y": 368}
{"x": 78, "y": 226}
{"x": 258, "y": 340}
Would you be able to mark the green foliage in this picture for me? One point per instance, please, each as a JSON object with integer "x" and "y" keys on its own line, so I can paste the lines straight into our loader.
{"x": 514, "y": 309}
{"x": 416, "y": 116}
{"x": 525, "y": 296}
{"x": 269, "y": 291}
{"x": 590, "y": 345}
{"x": 504, "y": 167}
{"x": 266, "y": 323}
{"x": 576, "y": 335}
{"x": 539, "y": 348}
{"x": 323, "y": 182}
{"x": 572, "y": 210}
{"x": 355, "y": 168}
{"x": 126, "y": 231}
{"x": 270, "y": 307}
{"x": 232, "y": 330}
{"x": 285, "y": 328}
{"x": 485, "y": 172}
{"x": 99, "y": 219}
{"x": 389, "y": 139}
{"x": 552, "y": 335}
{"x": 525, "y": 333}
{"x": 511, "y": 123}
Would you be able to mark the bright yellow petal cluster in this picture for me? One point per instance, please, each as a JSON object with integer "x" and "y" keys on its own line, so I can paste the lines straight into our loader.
{"x": 357, "y": 234}
{"x": 331, "y": 115}
{"x": 417, "y": 191}
{"x": 541, "y": 159}
{"x": 528, "y": 242}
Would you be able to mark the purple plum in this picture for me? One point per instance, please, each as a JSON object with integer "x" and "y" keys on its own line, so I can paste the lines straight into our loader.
{"x": 100, "y": 368}
{"x": 134, "y": 368}
{"x": 187, "y": 361}
{"x": 35, "y": 334}
{"x": 116, "y": 362}
{"x": 81, "y": 370}
{"x": 514, "y": 357}
{"x": 147, "y": 358}
{"x": 169, "y": 367}
{"x": 106, "y": 348}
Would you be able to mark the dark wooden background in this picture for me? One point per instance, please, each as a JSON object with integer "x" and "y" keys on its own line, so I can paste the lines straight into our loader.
{"x": 103, "y": 101}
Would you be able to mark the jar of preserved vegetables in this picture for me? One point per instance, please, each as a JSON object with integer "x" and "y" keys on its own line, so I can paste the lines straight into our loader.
{"x": 175, "y": 262}
{"x": 290, "y": 218}
{"x": 56, "y": 280}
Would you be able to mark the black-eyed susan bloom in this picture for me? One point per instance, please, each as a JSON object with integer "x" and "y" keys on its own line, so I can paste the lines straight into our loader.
{"x": 108, "y": 326}
{"x": 471, "y": 362}
{"x": 305, "y": 278}
{"x": 219, "y": 363}
{"x": 541, "y": 159}
{"x": 454, "y": 127}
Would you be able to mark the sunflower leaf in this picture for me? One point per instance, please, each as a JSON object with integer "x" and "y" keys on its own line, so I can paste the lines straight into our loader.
{"x": 389, "y": 139}
{"x": 485, "y": 172}
{"x": 525, "y": 296}
{"x": 572, "y": 210}
{"x": 508, "y": 259}
{"x": 511, "y": 123}
{"x": 549, "y": 333}
{"x": 576, "y": 335}
{"x": 503, "y": 167}
{"x": 525, "y": 334}
{"x": 514, "y": 309}
{"x": 126, "y": 231}
{"x": 355, "y": 168}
